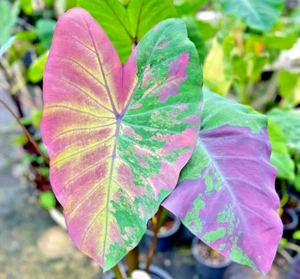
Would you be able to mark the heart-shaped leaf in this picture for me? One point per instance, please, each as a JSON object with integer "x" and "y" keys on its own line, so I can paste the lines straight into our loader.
{"x": 127, "y": 25}
{"x": 257, "y": 14}
{"x": 118, "y": 136}
{"x": 226, "y": 192}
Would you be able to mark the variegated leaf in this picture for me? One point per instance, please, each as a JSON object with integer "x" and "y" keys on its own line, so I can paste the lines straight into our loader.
{"x": 118, "y": 136}
{"x": 226, "y": 193}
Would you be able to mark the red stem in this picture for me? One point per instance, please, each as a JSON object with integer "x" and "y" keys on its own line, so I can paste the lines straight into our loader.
{"x": 30, "y": 138}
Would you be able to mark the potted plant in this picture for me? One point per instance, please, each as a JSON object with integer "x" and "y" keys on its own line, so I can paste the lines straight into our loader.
{"x": 69, "y": 155}
{"x": 169, "y": 226}
{"x": 209, "y": 263}
{"x": 122, "y": 137}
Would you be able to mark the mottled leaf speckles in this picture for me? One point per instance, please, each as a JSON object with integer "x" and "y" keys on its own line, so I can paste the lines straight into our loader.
{"x": 226, "y": 194}
{"x": 118, "y": 135}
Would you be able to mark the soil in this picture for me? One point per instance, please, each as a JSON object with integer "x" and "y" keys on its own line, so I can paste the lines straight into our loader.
{"x": 209, "y": 254}
{"x": 286, "y": 218}
{"x": 167, "y": 225}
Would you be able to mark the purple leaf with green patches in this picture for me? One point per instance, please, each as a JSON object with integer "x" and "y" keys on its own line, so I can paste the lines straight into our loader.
{"x": 226, "y": 194}
{"x": 118, "y": 136}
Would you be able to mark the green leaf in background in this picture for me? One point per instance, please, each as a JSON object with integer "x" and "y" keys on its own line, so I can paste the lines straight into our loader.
{"x": 36, "y": 117}
{"x": 45, "y": 30}
{"x": 36, "y": 70}
{"x": 47, "y": 199}
{"x": 127, "y": 25}
{"x": 8, "y": 19}
{"x": 297, "y": 182}
{"x": 206, "y": 29}
{"x": 49, "y": 3}
{"x": 289, "y": 87}
{"x": 296, "y": 235}
{"x": 26, "y": 35}
{"x": 214, "y": 70}
{"x": 257, "y": 14}
{"x": 248, "y": 68}
{"x": 26, "y": 7}
{"x": 189, "y": 7}
{"x": 7, "y": 45}
{"x": 280, "y": 156}
{"x": 289, "y": 122}
{"x": 196, "y": 37}
{"x": 268, "y": 42}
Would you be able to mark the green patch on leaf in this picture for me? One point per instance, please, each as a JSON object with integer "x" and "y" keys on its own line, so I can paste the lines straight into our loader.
{"x": 211, "y": 237}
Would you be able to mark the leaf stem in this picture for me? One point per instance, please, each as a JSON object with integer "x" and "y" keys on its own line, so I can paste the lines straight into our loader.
{"x": 119, "y": 271}
{"x": 132, "y": 259}
{"x": 157, "y": 225}
{"x": 29, "y": 136}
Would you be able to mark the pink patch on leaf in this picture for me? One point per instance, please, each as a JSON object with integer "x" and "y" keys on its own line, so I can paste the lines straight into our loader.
{"x": 176, "y": 76}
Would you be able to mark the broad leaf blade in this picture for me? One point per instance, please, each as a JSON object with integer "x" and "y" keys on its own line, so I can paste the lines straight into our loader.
{"x": 144, "y": 14}
{"x": 126, "y": 26}
{"x": 113, "y": 18}
{"x": 257, "y": 14}
{"x": 226, "y": 192}
{"x": 117, "y": 136}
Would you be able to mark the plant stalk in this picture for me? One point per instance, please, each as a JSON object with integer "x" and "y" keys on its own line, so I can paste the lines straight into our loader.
{"x": 119, "y": 272}
{"x": 132, "y": 259}
{"x": 29, "y": 136}
{"x": 154, "y": 239}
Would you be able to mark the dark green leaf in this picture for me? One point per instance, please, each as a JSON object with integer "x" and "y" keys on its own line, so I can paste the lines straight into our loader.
{"x": 257, "y": 14}
{"x": 196, "y": 37}
{"x": 45, "y": 30}
{"x": 126, "y": 26}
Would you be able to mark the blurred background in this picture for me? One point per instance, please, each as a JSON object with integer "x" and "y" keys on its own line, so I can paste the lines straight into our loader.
{"x": 255, "y": 62}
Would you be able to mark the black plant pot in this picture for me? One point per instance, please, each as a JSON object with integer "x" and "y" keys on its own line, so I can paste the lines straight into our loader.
{"x": 165, "y": 239}
{"x": 289, "y": 228}
{"x": 155, "y": 273}
{"x": 205, "y": 269}
{"x": 185, "y": 235}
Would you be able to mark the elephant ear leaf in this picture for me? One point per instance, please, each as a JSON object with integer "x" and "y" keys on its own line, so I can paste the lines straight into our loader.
{"x": 259, "y": 15}
{"x": 126, "y": 26}
{"x": 226, "y": 194}
{"x": 118, "y": 136}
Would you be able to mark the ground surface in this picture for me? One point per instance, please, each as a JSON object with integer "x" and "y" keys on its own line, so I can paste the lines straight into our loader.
{"x": 32, "y": 246}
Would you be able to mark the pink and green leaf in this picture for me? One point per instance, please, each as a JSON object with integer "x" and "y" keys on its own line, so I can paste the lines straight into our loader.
{"x": 118, "y": 136}
{"x": 226, "y": 194}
